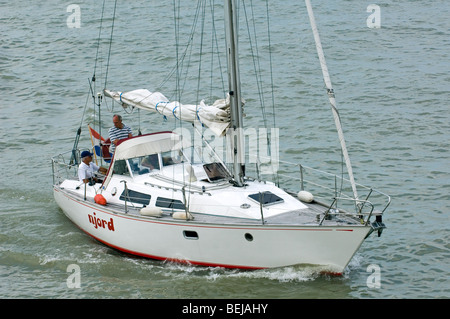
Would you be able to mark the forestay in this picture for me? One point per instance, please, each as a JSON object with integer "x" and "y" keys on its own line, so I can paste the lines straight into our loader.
{"x": 216, "y": 116}
{"x": 331, "y": 96}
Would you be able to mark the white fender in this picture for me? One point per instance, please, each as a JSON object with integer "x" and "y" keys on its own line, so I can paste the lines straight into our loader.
{"x": 182, "y": 215}
{"x": 305, "y": 196}
{"x": 151, "y": 211}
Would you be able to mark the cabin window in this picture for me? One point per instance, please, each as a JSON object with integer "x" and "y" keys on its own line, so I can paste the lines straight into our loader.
{"x": 169, "y": 203}
{"x": 121, "y": 168}
{"x": 135, "y": 197}
{"x": 149, "y": 161}
{"x": 144, "y": 164}
{"x": 172, "y": 157}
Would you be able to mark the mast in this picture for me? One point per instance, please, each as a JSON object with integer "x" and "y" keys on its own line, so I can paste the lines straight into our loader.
{"x": 331, "y": 96}
{"x": 235, "y": 132}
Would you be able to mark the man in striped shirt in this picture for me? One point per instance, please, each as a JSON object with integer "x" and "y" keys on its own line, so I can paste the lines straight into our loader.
{"x": 119, "y": 132}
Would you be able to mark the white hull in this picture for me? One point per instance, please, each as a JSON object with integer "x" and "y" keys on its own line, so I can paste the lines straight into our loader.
{"x": 210, "y": 244}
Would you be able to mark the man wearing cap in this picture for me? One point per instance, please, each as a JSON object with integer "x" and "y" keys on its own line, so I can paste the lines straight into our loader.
{"x": 87, "y": 169}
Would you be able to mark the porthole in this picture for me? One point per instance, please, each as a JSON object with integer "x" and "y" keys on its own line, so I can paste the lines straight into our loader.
{"x": 189, "y": 234}
{"x": 248, "y": 236}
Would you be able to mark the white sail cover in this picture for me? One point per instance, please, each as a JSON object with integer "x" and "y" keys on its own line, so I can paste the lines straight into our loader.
{"x": 216, "y": 117}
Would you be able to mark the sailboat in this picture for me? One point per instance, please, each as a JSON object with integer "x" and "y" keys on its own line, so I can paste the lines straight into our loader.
{"x": 174, "y": 204}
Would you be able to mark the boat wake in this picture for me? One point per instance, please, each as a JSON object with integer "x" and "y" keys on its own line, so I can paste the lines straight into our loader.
{"x": 297, "y": 273}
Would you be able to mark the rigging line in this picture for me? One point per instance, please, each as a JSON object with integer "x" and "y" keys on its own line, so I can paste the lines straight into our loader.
{"x": 183, "y": 68}
{"x": 270, "y": 62}
{"x": 190, "y": 45}
{"x": 181, "y": 57}
{"x": 92, "y": 80}
{"x": 73, "y": 158}
{"x": 176, "y": 69}
{"x": 271, "y": 82}
{"x": 254, "y": 58}
{"x": 203, "y": 5}
{"x": 331, "y": 96}
{"x": 214, "y": 40}
{"x": 85, "y": 104}
{"x": 98, "y": 40}
{"x": 110, "y": 42}
{"x": 212, "y": 53}
{"x": 259, "y": 75}
{"x": 179, "y": 61}
{"x": 200, "y": 13}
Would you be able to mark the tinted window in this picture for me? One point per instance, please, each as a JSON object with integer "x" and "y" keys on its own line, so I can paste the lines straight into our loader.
{"x": 135, "y": 197}
{"x": 169, "y": 203}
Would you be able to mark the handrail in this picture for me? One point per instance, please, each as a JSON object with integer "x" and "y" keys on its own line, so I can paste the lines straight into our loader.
{"x": 59, "y": 164}
{"x": 333, "y": 185}
{"x": 360, "y": 214}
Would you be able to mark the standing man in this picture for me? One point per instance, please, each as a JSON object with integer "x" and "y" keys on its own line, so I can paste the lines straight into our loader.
{"x": 116, "y": 133}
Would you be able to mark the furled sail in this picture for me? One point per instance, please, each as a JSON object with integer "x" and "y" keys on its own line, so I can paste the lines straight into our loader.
{"x": 216, "y": 116}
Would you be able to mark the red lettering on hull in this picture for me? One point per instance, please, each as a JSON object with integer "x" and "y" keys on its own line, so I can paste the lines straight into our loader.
{"x": 97, "y": 222}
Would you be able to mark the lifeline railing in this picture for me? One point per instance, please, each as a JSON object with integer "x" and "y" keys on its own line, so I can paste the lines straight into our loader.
{"x": 326, "y": 188}
{"x": 62, "y": 168}
{"x": 65, "y": 165}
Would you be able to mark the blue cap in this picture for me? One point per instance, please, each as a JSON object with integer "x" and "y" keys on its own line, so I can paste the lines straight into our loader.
{"x": 86, "y": 153}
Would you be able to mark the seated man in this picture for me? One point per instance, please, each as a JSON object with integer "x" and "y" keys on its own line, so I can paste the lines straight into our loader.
{"x": 87, "y": 169}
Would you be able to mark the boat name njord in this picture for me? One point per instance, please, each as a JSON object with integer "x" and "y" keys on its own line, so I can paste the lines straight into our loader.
{"x": 97, "y": 222}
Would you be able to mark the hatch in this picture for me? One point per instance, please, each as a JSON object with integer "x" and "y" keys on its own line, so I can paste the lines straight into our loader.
{"x": 266, "y": 198}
